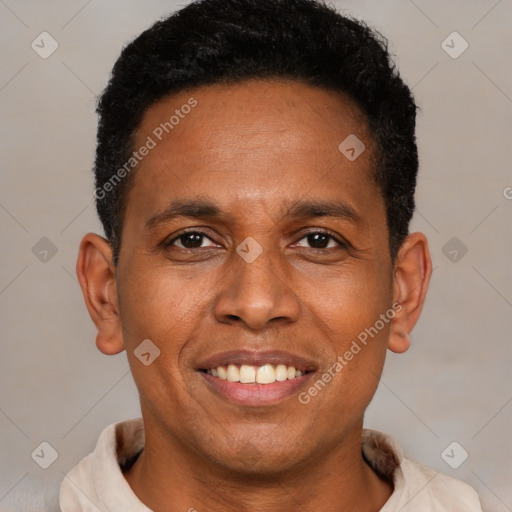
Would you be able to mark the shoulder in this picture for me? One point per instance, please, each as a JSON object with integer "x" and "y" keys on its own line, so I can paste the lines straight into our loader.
{"x": 441, "y": 492}
{"x": 416, "y": 487}
{"x": 97, "y": 480}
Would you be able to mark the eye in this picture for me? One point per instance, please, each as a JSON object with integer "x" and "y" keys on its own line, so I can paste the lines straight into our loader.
{"x": 191, "y": 240}
{"x": 320, "y": 240}
{"x": 198, "y": 239}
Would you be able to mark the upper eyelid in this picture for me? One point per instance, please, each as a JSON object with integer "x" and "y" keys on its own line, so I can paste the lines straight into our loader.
{"x": 186, "y": 232}
{"x": 339, "y": 240}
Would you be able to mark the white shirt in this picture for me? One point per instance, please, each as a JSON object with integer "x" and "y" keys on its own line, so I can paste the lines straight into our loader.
{"x": 97, "y": 483}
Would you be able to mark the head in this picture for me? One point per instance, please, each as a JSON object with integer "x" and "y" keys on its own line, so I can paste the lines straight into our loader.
{"x": 268, "y": 211}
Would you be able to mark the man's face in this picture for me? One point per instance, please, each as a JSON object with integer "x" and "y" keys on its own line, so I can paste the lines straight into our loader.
{"x": 258, "y": 151}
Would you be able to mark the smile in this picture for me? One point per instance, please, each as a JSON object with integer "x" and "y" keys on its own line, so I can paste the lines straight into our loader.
{"x": 248, "y": 374}
{"x": 255, "y": 386}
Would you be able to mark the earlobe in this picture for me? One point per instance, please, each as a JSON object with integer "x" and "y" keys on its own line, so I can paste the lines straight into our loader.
{"x": 96, "y": 275}
{"x": 413, "y": 268}
{"x": 399, "y": 341}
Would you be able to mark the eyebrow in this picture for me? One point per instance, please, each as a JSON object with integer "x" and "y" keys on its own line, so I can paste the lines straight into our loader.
{"x": 312, "y": 209}
{"x": 195, "y": 209}
{"x": 201, "y": 209}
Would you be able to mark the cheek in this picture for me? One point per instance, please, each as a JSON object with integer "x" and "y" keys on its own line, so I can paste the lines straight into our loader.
{"x": 157, "y": 302}
{"x": 354, "y": 315}
{"x": 159, "y": 305}
{"x": 158, "y": 308}
{"x": 351, "y": 301}
{"x": 344, "y": 388}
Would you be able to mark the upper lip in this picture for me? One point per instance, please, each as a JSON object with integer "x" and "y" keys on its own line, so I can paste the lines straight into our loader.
{"x": 256, "y": 358}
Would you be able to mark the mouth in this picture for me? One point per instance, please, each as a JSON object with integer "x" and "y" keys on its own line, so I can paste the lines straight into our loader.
{"x": 255, "y": 379}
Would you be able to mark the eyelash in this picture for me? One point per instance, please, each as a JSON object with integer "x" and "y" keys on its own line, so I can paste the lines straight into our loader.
{"x": 170, "y": 243}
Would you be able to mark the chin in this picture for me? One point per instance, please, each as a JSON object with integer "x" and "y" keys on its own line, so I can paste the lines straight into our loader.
{"x": 251, "y": 460}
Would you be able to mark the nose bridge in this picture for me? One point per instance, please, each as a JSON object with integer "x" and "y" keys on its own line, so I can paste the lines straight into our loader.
{"x": 256, "y": 292}
{"x": 256, "y": 268}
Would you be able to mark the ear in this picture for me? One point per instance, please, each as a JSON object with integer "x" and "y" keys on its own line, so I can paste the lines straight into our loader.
{"x": 412, "y": 271}
{"x": 96, "y": 273}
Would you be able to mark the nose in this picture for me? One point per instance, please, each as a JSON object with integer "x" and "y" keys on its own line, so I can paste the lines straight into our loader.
{"x": 256, "y": 294}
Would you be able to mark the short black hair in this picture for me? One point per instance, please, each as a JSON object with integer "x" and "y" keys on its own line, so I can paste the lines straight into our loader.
{"x": 228, "y": 41}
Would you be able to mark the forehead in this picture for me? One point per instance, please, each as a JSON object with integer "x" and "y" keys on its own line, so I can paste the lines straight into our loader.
{"x": 253, "y": 141}
{"x": 249, "y": 111}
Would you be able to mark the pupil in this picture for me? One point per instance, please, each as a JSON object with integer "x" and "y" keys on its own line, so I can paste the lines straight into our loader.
{"x": 318, "y": 240}
{"x": 192, "y": 240}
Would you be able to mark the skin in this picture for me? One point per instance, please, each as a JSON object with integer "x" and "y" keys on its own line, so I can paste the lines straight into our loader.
{"x": 254, "y": 149}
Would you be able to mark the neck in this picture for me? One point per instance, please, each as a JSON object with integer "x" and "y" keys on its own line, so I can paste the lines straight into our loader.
{"x": 170, "y": 476}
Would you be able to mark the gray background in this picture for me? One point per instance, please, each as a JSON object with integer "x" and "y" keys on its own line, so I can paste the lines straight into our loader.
{"x": 455, "y": 382}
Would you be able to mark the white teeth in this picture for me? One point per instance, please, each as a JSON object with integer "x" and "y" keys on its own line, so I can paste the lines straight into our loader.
{"x": 281, "y": 372}
{"x": 233, "y": 374}
{"x": 248, "y": 374}
{"x": 266, "y": 374}
{"x": 290, "y": 372}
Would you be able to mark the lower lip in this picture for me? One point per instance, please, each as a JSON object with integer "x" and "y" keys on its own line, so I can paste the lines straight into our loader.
{"x": 256, "y": 394}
